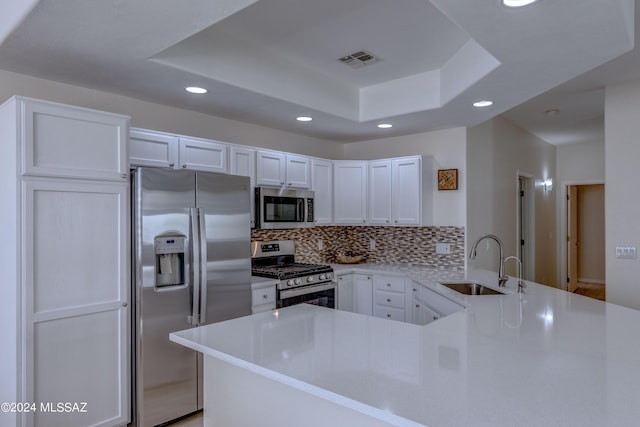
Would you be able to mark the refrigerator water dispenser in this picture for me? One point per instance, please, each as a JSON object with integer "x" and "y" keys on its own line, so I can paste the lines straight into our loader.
{"x": 170, "y": 259}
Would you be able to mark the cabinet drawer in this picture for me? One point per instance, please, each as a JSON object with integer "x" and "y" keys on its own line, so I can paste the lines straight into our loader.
{"x": 389, "y": 313}
{"x": 263, "y": 296}
{"x": 389, "y": 283}
{"x": 389, "y": 299}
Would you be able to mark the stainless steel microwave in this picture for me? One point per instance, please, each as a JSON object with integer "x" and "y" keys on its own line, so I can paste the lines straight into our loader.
{"x": 277, "y": 208}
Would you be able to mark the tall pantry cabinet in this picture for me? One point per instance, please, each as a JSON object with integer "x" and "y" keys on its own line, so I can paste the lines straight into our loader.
{"x": 65, "y": 308}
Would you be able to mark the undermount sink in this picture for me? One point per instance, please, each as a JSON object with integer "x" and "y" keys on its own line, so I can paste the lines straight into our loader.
{"x": 471, "y": 288}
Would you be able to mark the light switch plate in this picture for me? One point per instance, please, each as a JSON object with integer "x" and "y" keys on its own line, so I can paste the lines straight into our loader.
{"x": 443, "y": 248}
{"x": 626, "y": 252}
{"x": 372, "y": 244}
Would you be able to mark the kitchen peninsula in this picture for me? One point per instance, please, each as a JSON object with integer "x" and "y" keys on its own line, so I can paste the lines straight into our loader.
{"x": 545, "y": 357}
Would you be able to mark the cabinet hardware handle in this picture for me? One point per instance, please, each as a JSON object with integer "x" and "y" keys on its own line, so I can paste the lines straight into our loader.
{"x": 396, "y": 221}
{"x": 184, "y": 166}
{"x": 281, "y": 182}
{"x": 290, "y": 184}
{"x": 265, "y": 296}
{"x": 388, "y": 315}
{"x": 124, "y": 176}
{"x": 124, "y": 304}
{"x": 417, "y": 305}
{"x": 171, "y": 165}
{"x": 388, "y": 299}
{"x": 387, "y": 221}
{"x": 388, "y": 284}
{"x": 435, "y": 317}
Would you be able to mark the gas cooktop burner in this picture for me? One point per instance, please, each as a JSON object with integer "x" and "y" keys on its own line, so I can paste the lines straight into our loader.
{"x": 287, "y": 271}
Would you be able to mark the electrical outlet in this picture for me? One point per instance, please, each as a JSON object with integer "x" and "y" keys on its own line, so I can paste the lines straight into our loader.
{"x": 443, "y": 248}
{"x": 320, "y": 245}
{"x": 372, "y": 244}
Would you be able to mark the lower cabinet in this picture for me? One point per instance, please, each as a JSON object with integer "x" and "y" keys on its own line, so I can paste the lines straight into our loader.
{"x": 422, "y": 314}
{"x": 389, "y": 295}
{"x": 428, "y": 305}
{"x": 355, "y": 293}
{"x": 263, "y": 295}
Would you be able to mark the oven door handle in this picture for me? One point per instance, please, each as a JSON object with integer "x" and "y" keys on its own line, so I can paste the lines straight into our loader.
{"x": 290, "y": 293}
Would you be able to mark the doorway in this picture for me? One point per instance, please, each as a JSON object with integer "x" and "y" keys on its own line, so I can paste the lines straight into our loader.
{"x": 585, "y": 260}
{"x": 526, "y": 225}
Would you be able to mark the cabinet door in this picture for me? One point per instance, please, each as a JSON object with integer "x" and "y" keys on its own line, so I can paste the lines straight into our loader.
{"x": 243, "y": 162}
{"x": 77, "y": 311}
{"x": 345, "y": 292}
{"x": 298, "y": 171}
{"x": 362, "y": 294}
{"x": 73, "y": 142}
{"x": 423, "y": 314}
{"x": 270, "y": 168}
{"x": 322, "y": 185}
{"x": 350, "y": 193}
{"x": 153, "y": 149}
{"x": 407, "y": 191}
{"x": 380, "y": 192}
{"x": 203, "y": 155}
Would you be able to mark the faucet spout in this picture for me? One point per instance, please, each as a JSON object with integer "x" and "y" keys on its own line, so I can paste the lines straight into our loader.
{"x": 502, "y": 279}
{"x": 521, "y": 284}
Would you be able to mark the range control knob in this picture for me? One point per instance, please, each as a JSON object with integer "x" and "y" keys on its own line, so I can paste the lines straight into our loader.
{"x": 298, "y": 281}
{"x": 321, "y": 276}
{"x": 310, "y": 279}
{"x": 289, "y": 282}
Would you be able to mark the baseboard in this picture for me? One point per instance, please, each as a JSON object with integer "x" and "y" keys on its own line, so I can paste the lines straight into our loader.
{"x": 594, "y": 281}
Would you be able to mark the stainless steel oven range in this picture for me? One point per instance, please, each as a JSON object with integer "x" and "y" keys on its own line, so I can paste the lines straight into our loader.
{"x": 298, "y": 282}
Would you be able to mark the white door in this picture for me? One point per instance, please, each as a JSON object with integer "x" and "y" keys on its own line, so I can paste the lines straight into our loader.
{"x": 362, "y": 294}
{"x": 379, "y": 192}
{"x": 298, "y": 171}
{"x": 77, "y": 309}
{"x": 270, "y": 168}
{"x": 407, "y": 191}
{"x": 322, "y": 185}
{"x": 203, "y": 155}
{"x": 154, "y": 149}
{"x": 350, "y": 193}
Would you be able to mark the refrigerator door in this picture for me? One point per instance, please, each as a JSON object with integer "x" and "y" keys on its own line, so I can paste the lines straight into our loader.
{"x": 224, "y": 202}
{"x": 166, "y": 373}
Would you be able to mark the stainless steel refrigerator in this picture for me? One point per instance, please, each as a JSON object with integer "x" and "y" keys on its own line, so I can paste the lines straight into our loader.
{"x": 192, "y": 267}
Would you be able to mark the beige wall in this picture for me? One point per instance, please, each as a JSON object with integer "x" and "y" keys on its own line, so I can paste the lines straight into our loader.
{"x": 447, "y": 147}
{"x": 622, "y": 195}
{"x": 168, "y": 119}
{"x": 497, "y": 152}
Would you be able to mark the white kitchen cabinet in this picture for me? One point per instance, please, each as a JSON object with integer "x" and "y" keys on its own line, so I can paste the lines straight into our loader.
{"x": 322, "y": 185}
{"x": 406, "y": 191}
{"x": 263, "y": 295}
{"x": 389, "y": 297}
{"x": 422, "y": 314}
{"x": 278, "y": 169}
{"x": 350, "y": 192}
{"x": 153, "y": 149}
{"x": 428, "y": 305}
{"x": 380, "y": 206}
{"x": 355, "y": 293}
{"x": 203, "y": 155}
{"x": 158, "y": 149}
{"x": 72, "y": 142}
{"x": 66, "y": 306}
{"x": 242, "y": 161}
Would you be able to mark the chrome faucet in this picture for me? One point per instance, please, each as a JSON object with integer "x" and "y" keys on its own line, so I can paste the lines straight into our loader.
{"x": 521, "y": 284}
{"x": 502, "y": 279}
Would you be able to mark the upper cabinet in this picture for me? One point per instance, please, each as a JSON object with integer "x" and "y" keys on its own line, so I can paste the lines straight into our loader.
{"x": 157, "y": 149}
{"x": 322, "y": 186}
{"x": 380, "y": 192}
{"x": 72, "y": 142}
{"x": 350, "y": 192}
{"x": 242, "y": 161}
{"x": 406, "y": 192}
{"x": 278, "y": 169}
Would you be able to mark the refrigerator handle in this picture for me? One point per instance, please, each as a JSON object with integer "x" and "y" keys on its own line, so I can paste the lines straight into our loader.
{"x": 203, "y": 266}
{"x": 195, "y": 266}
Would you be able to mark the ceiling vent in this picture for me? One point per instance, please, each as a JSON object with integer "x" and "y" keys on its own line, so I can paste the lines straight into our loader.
{"x": 360, "y": 59}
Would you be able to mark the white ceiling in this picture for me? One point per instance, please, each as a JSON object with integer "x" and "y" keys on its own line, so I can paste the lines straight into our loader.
{"x": 268, "y": 61}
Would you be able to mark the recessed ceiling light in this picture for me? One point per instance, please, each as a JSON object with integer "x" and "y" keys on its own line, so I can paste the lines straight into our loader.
{"x": 552, "y": 112}
{"x": 517, "y": 3}
{"x": 195, "y": 89}
{"x": 481, "y": 104}
{"x": 304, "y": 119}
{"x": 385, "y": 125}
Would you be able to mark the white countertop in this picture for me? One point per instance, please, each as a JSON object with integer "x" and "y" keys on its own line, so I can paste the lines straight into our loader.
{"x": 546, "y": 357}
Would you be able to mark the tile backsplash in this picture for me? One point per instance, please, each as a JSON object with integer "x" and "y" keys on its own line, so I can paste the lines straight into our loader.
{"x": 395, "y": 245}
